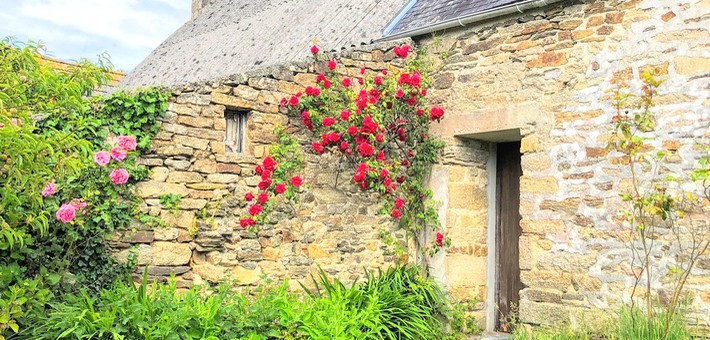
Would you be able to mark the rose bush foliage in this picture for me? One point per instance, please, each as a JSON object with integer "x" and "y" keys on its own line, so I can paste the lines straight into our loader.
{"x": 57, "y": 204}
{"x": 378, "y": 122}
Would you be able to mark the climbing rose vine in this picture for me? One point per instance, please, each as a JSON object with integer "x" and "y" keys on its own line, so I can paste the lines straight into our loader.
{"x": 378, "y": 122}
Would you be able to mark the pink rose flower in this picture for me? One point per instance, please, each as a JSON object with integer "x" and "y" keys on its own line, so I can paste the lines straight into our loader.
{"x": 119, "y": 176}
{"x": 79, "y": 205}
{"x": 102, "y": 158}
{"x": 66, "y": 213}
{"x": 127, "y": 143}
{"x": 49, "y": 190}
{"x": 118, "y": 154}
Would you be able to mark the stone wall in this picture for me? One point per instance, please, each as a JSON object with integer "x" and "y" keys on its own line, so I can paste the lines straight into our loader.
{"x": 546, "y": 73}
{"x": 335, "y": 228}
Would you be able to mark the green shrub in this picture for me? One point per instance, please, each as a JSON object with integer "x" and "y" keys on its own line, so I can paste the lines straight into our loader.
{"x": 393, "y": 304}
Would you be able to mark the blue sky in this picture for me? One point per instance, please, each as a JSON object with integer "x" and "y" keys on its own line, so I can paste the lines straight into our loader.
{"x": 72, "y": 29}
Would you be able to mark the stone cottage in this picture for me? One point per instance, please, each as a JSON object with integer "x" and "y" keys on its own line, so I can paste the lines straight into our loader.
{"x": 529, "y": 197}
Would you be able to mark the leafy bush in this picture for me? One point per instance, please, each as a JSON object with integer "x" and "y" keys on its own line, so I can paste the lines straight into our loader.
{"x": 49, "y": 128}
{"x": 394, "y": 304}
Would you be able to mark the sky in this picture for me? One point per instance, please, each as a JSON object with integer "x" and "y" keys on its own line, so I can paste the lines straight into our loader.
{"x": 128, "y": 30}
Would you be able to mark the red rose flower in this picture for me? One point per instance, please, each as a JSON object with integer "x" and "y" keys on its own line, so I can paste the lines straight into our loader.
{"x": 249, "y": 196}
{"x": 405, "y": 162}
{"x": 362, "y": 167}
{"x": 247, "y": 222}
{"x": 320, "y": 77}
{"x": 332, "y": 65}
{"x": 258, "y": 170}
{"x": 378, "y": 80}
{"x": 439, "y": 239}
{"x": 380, "y": 138}
{"x": 314, "y": 50}
{"x": 352, "y": 130}
{"x": 399, "y": 94}
{"x": 420, "y": 112}
{"x": 266, "y": 174}
{"x": 328, "y": 121}
{"x": 380, "y": 155}
{"x": 269, "y": 163}
{"x": 264, "y": 184}
{"x": 362, "y": 70}
{"x": 345, "y": 115}
{"x": 423, "y": 92}
{"x": 368, "y": 125}
{"x": 400, "y": 179}
{"x": 318, "y": 147}
{"x": 359, "y": 176}
{"x": 411, "y": 101}
{"x": 255, "y": 209}
{"x": 384, "y": 173}
{"x": 333, "y": 137}
{"x": 365, "y": 150}
{"x": 263, "y": 198}
{"x": 384, "y": 72}
{"x": 283, "y": 102}
{"x": 399, "y": 203}
{"x": 435, "y": 113}
{"x": 326, "y": 84}
{"x": 347, "y": 82}
{"x": 312, "y": 91}
{"x": 361, "y": 81}
{"x": 401, "y": 51}
{"x": 387, "y": 182}
{"x": 280, "y": 188}
{"x": 293, "y": 101}
{"x": 296, "y": 181}
{"x": 344, "y": 145}
{"x": 396, "y": 213}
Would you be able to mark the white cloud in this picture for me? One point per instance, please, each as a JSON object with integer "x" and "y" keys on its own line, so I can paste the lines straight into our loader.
{"x": 127, "y": 29}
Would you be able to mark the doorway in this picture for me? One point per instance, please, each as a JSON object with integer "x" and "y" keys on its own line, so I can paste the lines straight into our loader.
{"x": 507, "y": 232}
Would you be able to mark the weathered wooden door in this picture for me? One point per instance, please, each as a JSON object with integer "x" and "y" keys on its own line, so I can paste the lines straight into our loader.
{"x": 508, "y": 285}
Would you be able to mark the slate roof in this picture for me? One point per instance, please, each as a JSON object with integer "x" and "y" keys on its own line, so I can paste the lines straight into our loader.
{"x": 423, "y": 13}
{"x": 233, "y": 36}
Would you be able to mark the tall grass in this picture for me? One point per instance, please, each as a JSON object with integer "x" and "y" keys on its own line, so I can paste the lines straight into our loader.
{"x": 635, "y": 324}
{"x": 393, "y": 304}
{"x": 627, "y": 324}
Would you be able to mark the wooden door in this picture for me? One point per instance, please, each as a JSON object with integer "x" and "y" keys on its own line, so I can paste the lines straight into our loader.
{"x": 508, "y": 285}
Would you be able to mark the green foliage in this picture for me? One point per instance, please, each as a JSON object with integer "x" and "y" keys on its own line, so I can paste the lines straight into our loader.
{"x": 50, "y": 129}
{"x": 394, "y": 304}
{"x": 29, "y": 88}
{"x": 658, "y": 203}
{"x": 171, "y": 201}
{"x": 634, "y": 324}
{"x": 134, "y": 113}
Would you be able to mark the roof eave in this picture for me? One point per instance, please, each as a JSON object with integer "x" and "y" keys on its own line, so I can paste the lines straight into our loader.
{"x": 463, "y": 20}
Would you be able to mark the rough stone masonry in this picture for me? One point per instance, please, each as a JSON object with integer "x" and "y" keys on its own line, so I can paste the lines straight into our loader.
{"x": 545, "y": 73}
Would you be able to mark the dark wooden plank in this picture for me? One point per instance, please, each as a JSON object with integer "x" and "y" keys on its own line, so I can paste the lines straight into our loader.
{"x": 507, "y": 230}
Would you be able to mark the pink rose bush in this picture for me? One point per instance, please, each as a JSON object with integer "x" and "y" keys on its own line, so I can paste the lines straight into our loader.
{"x": 118, "y": 176}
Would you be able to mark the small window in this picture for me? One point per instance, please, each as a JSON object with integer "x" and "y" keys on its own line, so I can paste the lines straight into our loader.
{"x": 235, "y": 138}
